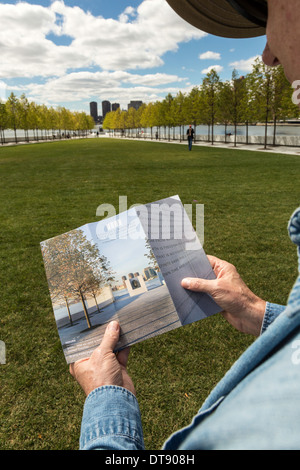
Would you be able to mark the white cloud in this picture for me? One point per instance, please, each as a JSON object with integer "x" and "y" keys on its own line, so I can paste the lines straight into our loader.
{"x": 124, "y": 17}
{"x": 3, "y": 91}
{"x": 137, "y": 40}
{"x": 99, "y": 55}
{"x": 210, "y": 55}
{"x": 120, "y": 86}
{"x": 217, "y": 68}
{"x": 244, "y": 65}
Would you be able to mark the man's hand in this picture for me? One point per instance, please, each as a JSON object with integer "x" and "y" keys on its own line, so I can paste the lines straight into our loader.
{"x": 104, "y": 367}
{"x": 241, "y": 307}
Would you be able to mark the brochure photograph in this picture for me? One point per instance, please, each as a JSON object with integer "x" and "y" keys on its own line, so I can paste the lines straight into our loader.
{"x": 126, "y": 268}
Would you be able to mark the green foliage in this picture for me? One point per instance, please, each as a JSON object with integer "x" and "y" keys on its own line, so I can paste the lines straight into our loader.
{"x": 51, "y": 189}
{"x": 263, "y": 95}
{"x": 19, "y": 113}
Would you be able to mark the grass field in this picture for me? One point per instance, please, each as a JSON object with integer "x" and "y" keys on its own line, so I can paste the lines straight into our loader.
{"x": 48, "y": 189}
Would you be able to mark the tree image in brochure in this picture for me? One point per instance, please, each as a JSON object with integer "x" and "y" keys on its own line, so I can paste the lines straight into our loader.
{"x": 75, "y": 270}
{"x": 128, "y": 268}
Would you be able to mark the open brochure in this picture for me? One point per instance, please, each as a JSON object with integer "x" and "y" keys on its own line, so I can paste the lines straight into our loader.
{"x": 126, "y": 268}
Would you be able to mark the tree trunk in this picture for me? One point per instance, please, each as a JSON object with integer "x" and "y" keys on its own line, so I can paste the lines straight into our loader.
{"x": 2, "y": 137}
{"x": 69, "y": 313}
{"x": 85, "y": 310}
{"x": 274, "y": 131}
{"x": 235, "y": 130}
{"x": 95, "y": 299}
{"x": 266, "y": 131}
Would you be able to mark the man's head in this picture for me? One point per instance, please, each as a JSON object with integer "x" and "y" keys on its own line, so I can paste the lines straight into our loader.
{"x": 278, "y": 19}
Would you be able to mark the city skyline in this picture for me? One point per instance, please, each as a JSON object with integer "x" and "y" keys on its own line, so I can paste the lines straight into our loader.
{"x": 107, "y": 107}
{"x": 73, "y": 52}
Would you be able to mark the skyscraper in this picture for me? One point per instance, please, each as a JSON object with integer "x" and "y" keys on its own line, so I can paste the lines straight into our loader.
{"x": 115, "y": 106}
{"x": 135, "y": 104}
{"x": 94, "y": 110}
{"x": 106, "y": 108}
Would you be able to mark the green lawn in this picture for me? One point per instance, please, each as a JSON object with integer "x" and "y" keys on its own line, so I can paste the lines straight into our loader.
{"x": 50, "y": 188}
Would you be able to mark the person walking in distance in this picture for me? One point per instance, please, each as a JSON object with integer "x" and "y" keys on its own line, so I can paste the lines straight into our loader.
{"x": 190, "y": 136}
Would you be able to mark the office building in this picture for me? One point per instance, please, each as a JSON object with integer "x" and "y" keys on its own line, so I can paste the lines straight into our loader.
{"x": 135, "y": 104}
{"x": 115, "y": 106}
{"x": 106, "y": 108}
{"x": 94, "y": 110}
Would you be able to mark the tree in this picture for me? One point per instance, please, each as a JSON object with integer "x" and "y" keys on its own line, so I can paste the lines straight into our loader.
{"x": 237, "y": 102}
{"x": 33, "y": 118}
{"x": 282, "y": 106}
{"x": 178, "y": 111}
{"x": 108, "y": 121}
{"x": 225, "y": 103}
{"x": 150, "y": 255}
{"x": 193, "y": 108}
{"x": 52, "y": 120}
{"x": 116, "y": 119}
{"x": 24, "y": 115}
{"x": 74, "y": 267}
{"x": 13, "y": 113}
{"x": 247, "y": 106}
{"x": 210, "y": 90}
{"x": 271, "y": 93}
{"x": 166, "y": 109}
{"x": 157, "y": 116}
{"x": 42, "y": 118}
{"x": 131, "y": 118}
{"x": 147, "y": 117}
{"x": 260, "y": 81}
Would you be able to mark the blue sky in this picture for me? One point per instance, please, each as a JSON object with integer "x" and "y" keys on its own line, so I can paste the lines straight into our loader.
{"x": 124, "y": 247}
{"x": 70, "y": 52}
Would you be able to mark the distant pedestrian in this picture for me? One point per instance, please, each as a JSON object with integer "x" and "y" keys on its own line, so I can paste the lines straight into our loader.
{"x": 190, "y": 136}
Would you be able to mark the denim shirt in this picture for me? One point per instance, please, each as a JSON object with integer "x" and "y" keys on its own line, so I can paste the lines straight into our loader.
{"x": 255, "y": 406}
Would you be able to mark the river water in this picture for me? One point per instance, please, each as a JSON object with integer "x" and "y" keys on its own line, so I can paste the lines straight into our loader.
{"x": 259, "y": 130}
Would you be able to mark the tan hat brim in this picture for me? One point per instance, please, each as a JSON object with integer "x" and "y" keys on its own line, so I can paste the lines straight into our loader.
{"x": 216, "y": 17}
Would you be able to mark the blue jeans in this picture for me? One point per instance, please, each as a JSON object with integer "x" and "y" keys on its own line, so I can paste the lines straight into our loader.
{"x": 190, "y": 140}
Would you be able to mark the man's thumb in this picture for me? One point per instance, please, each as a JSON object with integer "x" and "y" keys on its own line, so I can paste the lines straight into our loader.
{"x": 198, "y": 285}
{"x": 111, "y": 336}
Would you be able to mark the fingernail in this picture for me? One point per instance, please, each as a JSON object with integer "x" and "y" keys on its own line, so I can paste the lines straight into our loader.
{"x": 186, "y": 283}
{"x": 113, "y": 326}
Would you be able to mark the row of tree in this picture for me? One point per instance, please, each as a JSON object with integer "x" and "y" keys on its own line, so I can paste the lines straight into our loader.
{"x": 76, "y": 270}
{"x": 19, "y": 113}
{"x": 263, "y": 95}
